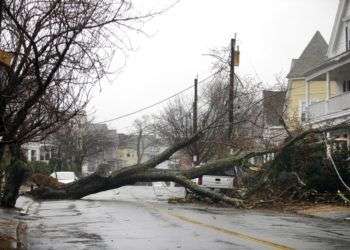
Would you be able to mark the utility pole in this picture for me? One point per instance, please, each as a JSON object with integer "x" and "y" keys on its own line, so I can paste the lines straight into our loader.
{"x": 195, "y": 120}
{"x": 231, "y": 88}
{"x": 195, "y": 105}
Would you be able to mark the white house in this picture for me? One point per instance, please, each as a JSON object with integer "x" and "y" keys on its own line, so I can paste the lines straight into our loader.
{"x": 36, "y": 151}
{"x": 334, "y": 70}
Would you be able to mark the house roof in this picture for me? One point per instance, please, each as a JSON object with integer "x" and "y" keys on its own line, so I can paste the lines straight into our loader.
{"x": 313, "y": 55}
{"x": 273, "y": 106}
{"x": 334, "y": 64}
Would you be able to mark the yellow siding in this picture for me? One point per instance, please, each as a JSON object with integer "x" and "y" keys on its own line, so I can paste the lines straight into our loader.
{"x": 296, "y": 95}
{"x": 129, "y": 156}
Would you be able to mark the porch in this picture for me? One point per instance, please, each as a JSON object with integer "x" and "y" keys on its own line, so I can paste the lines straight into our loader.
{"x": 335, "y": 108}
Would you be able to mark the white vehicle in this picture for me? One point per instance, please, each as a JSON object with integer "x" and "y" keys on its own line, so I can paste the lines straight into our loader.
{"x": 213, "y": 181}
{"x": 64, "y": 177}
{"x": 159, "y": 184}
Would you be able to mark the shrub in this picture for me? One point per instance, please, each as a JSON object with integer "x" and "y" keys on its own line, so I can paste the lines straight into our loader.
{"x": 39, "y": 167}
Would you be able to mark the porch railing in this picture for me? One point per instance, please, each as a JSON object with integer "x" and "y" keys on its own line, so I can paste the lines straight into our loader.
{"x": 339, "y": 103}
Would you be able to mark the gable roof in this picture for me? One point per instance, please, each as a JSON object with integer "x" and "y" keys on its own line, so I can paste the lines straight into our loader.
{"x": 314, "y": 54}
{"x": 273, "y": 106}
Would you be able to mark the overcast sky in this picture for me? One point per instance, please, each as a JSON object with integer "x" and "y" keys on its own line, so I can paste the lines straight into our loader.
{"x": 270, "y": 33}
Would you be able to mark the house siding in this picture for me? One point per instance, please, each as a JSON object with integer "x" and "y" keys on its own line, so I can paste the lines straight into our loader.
{"x": 297, "y": 95}
{"x": 126, "y": 157}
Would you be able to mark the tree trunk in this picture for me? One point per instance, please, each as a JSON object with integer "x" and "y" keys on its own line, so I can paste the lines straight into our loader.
{"x": 16, "y": 172}
{"x": 2, "y": 165}
{"x": 99, "y": 182}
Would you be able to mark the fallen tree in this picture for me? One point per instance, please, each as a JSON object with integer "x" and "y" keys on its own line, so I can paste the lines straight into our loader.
{"x": 146, "y": 172}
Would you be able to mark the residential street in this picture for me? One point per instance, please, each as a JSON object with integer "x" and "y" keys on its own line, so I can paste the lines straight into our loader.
{"x": 138, "y": 217}
{"x": 208, "y": 125}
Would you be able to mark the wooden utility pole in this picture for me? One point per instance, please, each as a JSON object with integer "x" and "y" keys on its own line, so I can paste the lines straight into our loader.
{"x": 231, "y": 88}
{"x": 195, "y": 120}
{"x": 195, "y": 105}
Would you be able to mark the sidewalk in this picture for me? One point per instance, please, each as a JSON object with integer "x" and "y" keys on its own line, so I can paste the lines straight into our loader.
{"x": 333, "y": 212}
{"x": 13, "y": 230}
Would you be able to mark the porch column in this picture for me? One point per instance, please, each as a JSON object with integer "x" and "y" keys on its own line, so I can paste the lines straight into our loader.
{"x": 307, "y": 99}
{"x": 328, "y": 86}
{"x": 29, "y": 155}
{"x": 328, "y": 92}
{"x": 38, "y": 154}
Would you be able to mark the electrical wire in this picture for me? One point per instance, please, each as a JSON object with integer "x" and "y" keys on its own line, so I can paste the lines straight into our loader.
{"x": 330, "y": 157}
{"x": 159, "y": 102}
{"x": 251, "y": 106}
{"x": 184, "y": 90}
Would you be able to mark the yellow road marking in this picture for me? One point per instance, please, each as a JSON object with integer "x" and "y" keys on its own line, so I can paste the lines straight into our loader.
{"x": 243, "y": 236}
{"x": 231, "y": 232}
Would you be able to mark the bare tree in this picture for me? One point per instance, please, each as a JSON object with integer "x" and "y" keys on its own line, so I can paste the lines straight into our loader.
{"x": 58, "y": 50}
{"x": 146, "y": 140}
{"x": 78, "y": 141}
{"x": 176, "y": 120}
{"x": 281, "y": 82}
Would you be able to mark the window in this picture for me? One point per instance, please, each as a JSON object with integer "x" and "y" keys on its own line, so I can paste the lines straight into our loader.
{"x": 42, "y": 155}
{"x": 33, "y": 155}
{"x": 346, "y": 86}
{"x": 128, "y": 155}
{"x": 47, "y": 155}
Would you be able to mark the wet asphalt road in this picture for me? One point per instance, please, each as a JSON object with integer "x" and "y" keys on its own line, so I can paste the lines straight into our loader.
{"x": 140, "y": 218}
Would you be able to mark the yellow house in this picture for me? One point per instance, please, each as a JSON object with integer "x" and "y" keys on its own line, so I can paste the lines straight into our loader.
{"x": 313, "y": 55}
{"x": 126, "y": 157}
